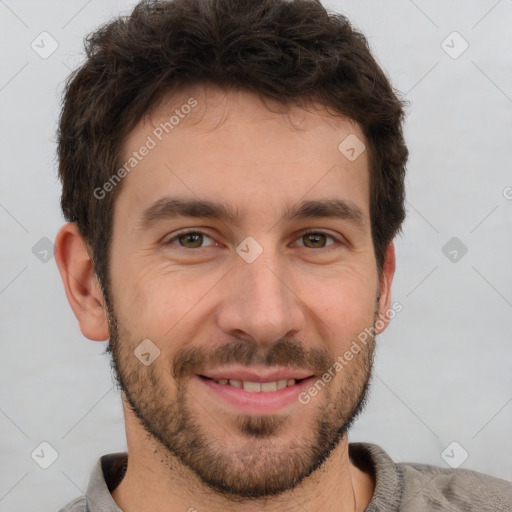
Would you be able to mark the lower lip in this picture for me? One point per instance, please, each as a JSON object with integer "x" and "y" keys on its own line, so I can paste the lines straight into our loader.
{"x": 263, "y": 402}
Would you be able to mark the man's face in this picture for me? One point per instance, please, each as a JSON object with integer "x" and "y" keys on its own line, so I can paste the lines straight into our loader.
{"x": 227, "y": 319}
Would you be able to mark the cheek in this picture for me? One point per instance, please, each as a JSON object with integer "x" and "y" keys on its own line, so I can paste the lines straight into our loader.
{"x": 346, "y": 304}
{"x": 162, "y": 301}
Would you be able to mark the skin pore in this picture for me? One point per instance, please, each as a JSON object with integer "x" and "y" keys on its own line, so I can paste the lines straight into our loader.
{"x": 297, "y": 306}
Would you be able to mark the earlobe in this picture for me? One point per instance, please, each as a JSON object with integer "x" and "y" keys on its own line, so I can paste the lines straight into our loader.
{"x": 81, "y": 283}
{"x": 386, "y": 280}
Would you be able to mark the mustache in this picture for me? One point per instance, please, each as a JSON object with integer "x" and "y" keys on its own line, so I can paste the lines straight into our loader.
{"x": 284, "y": 352}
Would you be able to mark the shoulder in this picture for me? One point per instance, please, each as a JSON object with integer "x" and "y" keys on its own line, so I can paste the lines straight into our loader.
{"x": 77, "y": 505}
{"x": 415, "y": 487}
{"x": 453, "y": 489}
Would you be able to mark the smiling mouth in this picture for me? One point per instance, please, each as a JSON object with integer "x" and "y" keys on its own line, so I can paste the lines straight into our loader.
{"x": 256, "y": 387}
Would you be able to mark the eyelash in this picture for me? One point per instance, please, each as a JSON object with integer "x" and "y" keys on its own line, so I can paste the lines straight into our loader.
{"x": 304, "y": 233}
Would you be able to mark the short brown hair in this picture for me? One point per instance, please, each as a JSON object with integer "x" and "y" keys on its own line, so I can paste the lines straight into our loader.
{"x": 291, "y": 51}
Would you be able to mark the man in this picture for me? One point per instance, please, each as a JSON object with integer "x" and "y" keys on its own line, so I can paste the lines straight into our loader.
{"x": 233, "y": 177}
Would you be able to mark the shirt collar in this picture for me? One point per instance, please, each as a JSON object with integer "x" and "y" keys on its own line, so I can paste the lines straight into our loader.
{"x": 389, "y": 479}
{"x": 105, "y": 476}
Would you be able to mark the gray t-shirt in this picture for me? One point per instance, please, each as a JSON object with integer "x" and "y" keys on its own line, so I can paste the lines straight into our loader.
{"x": 399, "y": 487}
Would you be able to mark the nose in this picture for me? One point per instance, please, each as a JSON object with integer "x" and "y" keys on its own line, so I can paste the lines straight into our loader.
{"x": 260, "y": 302}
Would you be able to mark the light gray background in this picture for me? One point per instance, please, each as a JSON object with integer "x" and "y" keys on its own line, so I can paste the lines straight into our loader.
{"x": 443, "y": 370}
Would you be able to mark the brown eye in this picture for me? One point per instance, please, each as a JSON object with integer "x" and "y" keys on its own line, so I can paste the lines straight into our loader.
{"x": 315, "y": 240}
{"x": 190, "y": 240}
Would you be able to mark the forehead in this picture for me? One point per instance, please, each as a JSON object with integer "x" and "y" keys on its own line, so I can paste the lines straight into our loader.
{"x": 233, "y": 147}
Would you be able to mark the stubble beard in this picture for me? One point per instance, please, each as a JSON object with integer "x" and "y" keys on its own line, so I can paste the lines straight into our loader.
{"x": 254, "y": 464}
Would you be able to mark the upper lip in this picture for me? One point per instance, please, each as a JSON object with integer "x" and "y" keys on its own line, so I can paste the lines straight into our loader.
{"x": 257, "y": 375}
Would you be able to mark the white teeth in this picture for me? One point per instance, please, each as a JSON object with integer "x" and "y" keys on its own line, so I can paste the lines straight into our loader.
{"x": 257, "y": 387}
{"x": 281, "y": 384}
{"x": 269, "y": 386}
{"x": 254, "y": 387}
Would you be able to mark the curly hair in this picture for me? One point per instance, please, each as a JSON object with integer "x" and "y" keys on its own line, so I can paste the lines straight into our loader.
{"x": 294, "y": 51}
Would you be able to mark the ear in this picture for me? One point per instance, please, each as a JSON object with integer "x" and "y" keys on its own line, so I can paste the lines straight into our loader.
{"x": 80, "y": 282}
{"x": 385, "y": 281}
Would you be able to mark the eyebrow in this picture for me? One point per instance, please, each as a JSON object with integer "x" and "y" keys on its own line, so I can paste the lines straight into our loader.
{"x": 168, "y": 208}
